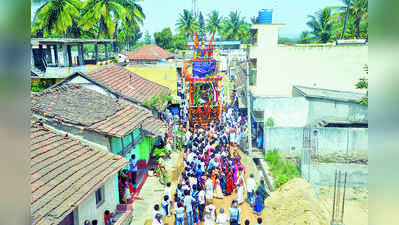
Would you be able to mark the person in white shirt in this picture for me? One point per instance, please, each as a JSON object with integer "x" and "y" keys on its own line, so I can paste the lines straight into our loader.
{"x": 188, "y": 200}
{"x": 222, "y": 218}
{"x": 209, "y": 188}
{"x": 210, "y": 213}
{"x": 201, "y": 201}
{"x": 251, "y": 186}
{"x": 155, "y": 211}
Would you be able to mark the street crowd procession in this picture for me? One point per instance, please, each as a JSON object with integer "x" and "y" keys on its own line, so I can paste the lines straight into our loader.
{"x": 213, "y": 169}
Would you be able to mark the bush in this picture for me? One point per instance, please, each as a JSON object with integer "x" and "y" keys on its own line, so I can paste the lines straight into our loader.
{"x": 282, "y": 170}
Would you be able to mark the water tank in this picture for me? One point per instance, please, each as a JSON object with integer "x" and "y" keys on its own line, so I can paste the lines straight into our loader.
{"x": 265, "y": 16}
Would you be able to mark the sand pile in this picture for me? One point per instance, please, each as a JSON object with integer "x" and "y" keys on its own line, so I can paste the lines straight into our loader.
{"x": 295, "y": 203}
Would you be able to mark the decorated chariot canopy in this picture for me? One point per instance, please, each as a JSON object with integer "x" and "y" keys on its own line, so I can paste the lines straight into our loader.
{"x": 203, "y": 84}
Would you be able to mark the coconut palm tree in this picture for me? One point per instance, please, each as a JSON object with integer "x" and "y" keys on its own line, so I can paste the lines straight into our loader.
{"x": 103, "y": 13}
{"x": 254, "y": 20}
{"x": 235, "y": 27}
{"x": 357, "y": 9}
{"x": 134, "y": 16}
{"x": 55, "y": 16}
{"x": 214, "y": 23}
{"x": 187, "y": 23}
{"x": 321, "y": 25}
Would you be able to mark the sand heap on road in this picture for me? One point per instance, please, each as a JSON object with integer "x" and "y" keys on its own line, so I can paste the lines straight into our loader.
{"x": 295, "y": 203}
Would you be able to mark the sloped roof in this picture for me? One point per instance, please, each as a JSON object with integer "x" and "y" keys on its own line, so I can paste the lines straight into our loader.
{"x": 312, "y": 92}
{"x": 127, "y": 83}
{"x": 81, "y": 106}
{"x": 150, "y": 53}
{"x": 64, "y": 173}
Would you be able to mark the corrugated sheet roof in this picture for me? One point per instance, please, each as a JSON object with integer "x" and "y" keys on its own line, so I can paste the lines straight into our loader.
{"x": 150, "y": 53}
{"x": 64, "y": 173}
{"x": 312, "y": 92}
{"x": 78, "y": 105}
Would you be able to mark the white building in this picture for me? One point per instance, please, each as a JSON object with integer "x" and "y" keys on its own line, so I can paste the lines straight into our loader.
{"x": 275, "y": 68}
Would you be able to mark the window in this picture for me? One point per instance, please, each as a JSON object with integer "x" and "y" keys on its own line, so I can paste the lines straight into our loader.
{"x": 100, "y": 196}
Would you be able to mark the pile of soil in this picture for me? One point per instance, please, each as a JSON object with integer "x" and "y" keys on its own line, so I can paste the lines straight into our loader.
{"x": 295, "y": 203}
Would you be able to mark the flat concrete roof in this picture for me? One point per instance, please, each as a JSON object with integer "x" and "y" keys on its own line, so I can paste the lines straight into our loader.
{"x": 69, "y": 41}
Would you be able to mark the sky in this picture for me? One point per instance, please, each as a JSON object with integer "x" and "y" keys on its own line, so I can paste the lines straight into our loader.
{"x": 292, "y": 13}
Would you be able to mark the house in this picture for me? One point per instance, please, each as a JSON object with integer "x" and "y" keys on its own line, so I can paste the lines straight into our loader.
{"x": 334, "y": 118}
{"x": 55, "y": 58}
{"x": 100, "y": 121}
{"x": 72, "y": 182}
{"x": 275, "y": 68}
{"x": 150, "y": 54}
{"x": 114, "y": 80}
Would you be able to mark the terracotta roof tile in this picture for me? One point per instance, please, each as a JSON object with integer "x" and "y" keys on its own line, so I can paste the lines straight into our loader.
{"x": 150, "y": 53}
{"x": 78, "y": 105}
{"x": 64, "y": 175}
{"x": 130, "y": 85}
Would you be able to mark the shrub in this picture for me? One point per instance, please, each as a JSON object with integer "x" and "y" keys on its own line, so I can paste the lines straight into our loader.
{"x": 282, "y": 170}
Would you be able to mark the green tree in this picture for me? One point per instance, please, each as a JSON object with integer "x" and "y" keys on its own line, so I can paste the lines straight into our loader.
{"x": 305, "y": 38}
{"x": 147, "y": 38}
{"x": 254, "y": 20}
{"x": 105, "y": 13}
{"x": 214, "y": 23}
{"x": 321, "y": 25}
{"x": 187, "y": 24}
{"x": 164, "y": 39}
{"x": 55, "y": 16}
{"x": 358, "y": 11}
{"x": 201, "y": 22}
{"x": 285, "y": 40}
{"x": 235, "y": 28}
{"x": 180, "y": 41}
{"x": 133, "y": 18}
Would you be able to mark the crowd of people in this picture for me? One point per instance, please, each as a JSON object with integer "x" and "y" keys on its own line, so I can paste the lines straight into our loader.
{"x": 212, "y": 170}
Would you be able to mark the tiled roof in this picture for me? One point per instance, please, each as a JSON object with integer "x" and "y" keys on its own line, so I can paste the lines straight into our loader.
{"x": 150, "y": 53}
{"x": 312, "y": 92}
{"x": 64, "y": 173}
{"x": 154, "y": 126}
{"x": 78, "y": 105}
{"x": 127, "y": 83}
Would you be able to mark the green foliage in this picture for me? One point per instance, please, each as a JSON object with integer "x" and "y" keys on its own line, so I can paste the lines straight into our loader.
{"x": 254, "y": 20}
{"x": 269, "y": 122}
{"x": 214, "y": 23}
{"x": 235, "y": 28}
{"x": 363, "y": 83}
{"x": 158, "y": 101}
{"x": 180, "y": 41}
{"x": 201, "y": 22}
{"x": 321, "y": 26}
{"x": 305, "y": 38}
{"x": 158, "y": 151}
{"x": 147, "y": 38}
{"x": 164, "y": 39}
{"x": 285, "y": 40}
{"x": 282, "y": 170}
{"x": 187, "y": 23}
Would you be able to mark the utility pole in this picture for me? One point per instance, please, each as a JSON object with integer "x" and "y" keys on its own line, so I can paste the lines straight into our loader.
{"x": 249, "y": 110}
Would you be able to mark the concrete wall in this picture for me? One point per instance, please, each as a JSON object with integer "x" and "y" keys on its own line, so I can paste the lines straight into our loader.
{"x": 301, "y": 111}
{"x": 321, "y": 109}
{"x": 279, "y": 67}
{"x": 285, "y": 112}
{"x": 88, "y": 208}
{"x": 330, "y": 139}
